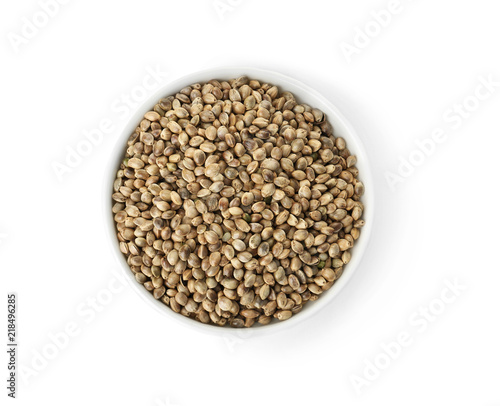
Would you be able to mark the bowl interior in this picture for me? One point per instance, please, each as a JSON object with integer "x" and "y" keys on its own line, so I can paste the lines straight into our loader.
{"x": 304, "y": 94}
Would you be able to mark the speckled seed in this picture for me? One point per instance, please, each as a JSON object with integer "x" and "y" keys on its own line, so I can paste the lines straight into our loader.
{"x": 239, "y": 245}
{"x": 224, "y": 303}
{"x": 293, "y": 282}
{"x": 135, "y": 163}
{"x": 254, "y": 241}
{"x": 264, "y": 292}
{"x": 247, "y": 199}
{"x": 283, "y": 315}
{"x": 211, "y": 237}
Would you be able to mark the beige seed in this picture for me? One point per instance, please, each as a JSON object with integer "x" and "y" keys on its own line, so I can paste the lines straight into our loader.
{"x": 159, "y": 292}
{"x": 245, "y": 257}
{"x": 351, "y": 161}
{"x": 181, "y": 112}
{"x": 235, "y": 211}
{"x": 173, "y": 257}
{"x": 135, "y": 163}
{"x": 211, "y": 237}
{"x": 174, "y": 127}
{"x": 208, "y": 147}
{"x": 247, "y": 199}
{"x": 183, "y": 230}
{"x": 264, "y": 292}
{"x": 300, "y": 235}
{"x": 339, "y": 214}
{"x": 283, "y": 315}
{"x": 297, "y": 247}
{"x": 215, "y": 258}
{"x": 239, "y": 245}
{"x": 263, "y": 249}
{"x": 344, "y": 244}
{"x": 268, "y": 190}
{"x": 258, "y": 207}
{"x": 199, "y": 157}
{"x": 212, "y": 170}
{"x": 305, "y": 192}
{"x": 282, "y": 217}
{"x": 356, "y": 213}
{"x": 175, "y": 197}
{"x": 279, "y": 235}
{"x": 181, "y": 298}
{"x": 281, "y": 300}
{"x": 242, "y": 225}
{"x": 224, "y": 303}
{"x": 152, "y": 116}
{"x": 293, "y": 282}
{"x": 340, "y": 143}
{"x": 228, "y": 252}
{"x": 254, "y": 241}
{"x": 346, "y": 257}
{"x": 250, "y": 313}
{"x": 207, "y": 116}
{"x": 359, "y": 189}
{"x": 271, "y": 164}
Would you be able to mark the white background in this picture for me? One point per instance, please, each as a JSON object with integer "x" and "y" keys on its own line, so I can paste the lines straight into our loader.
{"x": 438, "y": 224}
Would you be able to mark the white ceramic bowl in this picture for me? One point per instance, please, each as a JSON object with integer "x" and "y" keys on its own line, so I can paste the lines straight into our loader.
{"x": 303, "y": 94}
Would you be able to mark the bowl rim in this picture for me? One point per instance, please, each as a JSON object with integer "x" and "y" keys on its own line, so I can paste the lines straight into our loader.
{"x": 283, "y": 82}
